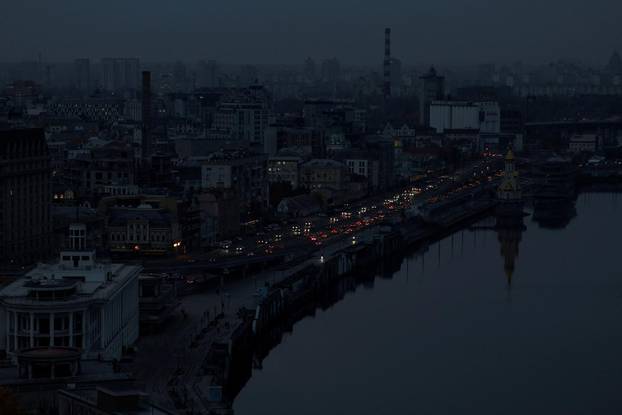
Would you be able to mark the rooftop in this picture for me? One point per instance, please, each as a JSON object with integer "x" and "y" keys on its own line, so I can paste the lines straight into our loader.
{"x": 323, "y": 163}
{"x": 96, "y": 281}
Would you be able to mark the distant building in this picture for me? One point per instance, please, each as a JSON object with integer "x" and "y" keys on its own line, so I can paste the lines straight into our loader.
{"x": 284, "y": 169}
{"x": 96, "y": 171}
{"x": 483, "y": 117}
{"x": 614, "y": 65}
{"x": 490, "y": 117}
{"x": 133, "y": 110}
{"x": 121, "y": 190}
{"x": 322, "y": 113}
{"x": 220, "y": 216}
{"x": 25, "y": 196}
{"x": 384, "y": 161}
{"x": 82, "y": 68}
{"x": 490, "y": 125}
{"x": 331, "y": 70}
{"x": 306, "y": 140}
{"x": 454, "y": 115}
{"x": 404, "y": 132}
{"x": 432, "y": 89}
{"x": 142, "y": 229}
{"x": 23, "y": 92}
{"x": 396, "y": 77}
{"x": 149, "y": 224}
{"x": 512, "y": 122}
{"x": 319, "y": 174}
{"x": 310, "y": 70}
{"x": 245, "y": 121}
{"x": 239, "y": 170}
{"x": 583, "y": 143}
{"x": 335, "y": 139}
{"x": 244, "y": 115}
{"x": 208, "y": 74}
{"x": 87, "y": 109}
{"x": 119, "y": 74}
{"x": 146, "y": 144}
{"x": 358, "y": 165}
{"x": 74, "y": 305}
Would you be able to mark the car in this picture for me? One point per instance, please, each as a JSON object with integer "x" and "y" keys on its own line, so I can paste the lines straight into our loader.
{"x": 224, "y": 244}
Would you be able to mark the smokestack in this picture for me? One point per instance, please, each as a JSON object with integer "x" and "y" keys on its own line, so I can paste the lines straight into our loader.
{"x": 146, "y": 115}
{"x": 387, "y": 62}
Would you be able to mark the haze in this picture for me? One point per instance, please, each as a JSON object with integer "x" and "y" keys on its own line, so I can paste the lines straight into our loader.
{"x": 285, "y": 31}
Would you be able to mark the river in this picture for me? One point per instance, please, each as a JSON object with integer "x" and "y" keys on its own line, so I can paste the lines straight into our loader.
{"x": 452, "y": 332}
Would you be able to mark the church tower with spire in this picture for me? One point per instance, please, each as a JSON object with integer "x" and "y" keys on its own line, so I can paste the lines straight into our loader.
{"x": 509, "y": 192}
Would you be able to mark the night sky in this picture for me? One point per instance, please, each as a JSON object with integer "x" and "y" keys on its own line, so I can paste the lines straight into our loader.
{"x": 286, "y": 31}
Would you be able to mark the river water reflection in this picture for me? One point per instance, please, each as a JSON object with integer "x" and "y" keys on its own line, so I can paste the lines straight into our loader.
{"x": 488, "y": 321}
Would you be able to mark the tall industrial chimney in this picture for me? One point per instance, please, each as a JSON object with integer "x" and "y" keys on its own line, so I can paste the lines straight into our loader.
{"x": 387, "y": 62}
{"x": 146, "y": 116}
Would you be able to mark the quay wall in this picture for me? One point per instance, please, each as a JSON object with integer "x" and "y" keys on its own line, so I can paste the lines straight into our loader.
{"x": 318, "y": 284}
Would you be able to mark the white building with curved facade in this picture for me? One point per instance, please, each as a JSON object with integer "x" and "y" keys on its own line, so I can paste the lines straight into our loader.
{"x": 75, "y": 303}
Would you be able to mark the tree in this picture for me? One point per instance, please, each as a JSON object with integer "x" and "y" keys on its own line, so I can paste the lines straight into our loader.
{"x": 8, "y": 403}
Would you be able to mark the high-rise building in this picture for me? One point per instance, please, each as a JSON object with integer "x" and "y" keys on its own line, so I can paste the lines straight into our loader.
{"x": 615, "y": 63}
{"x": 244, "y": 115}
{"x": 396, "y": 77}
{"x": 242, "y": 171}
{"x": 25, "y": 225}
{"x": 245, "y": 121}
{"x": 248, "y": 76}
{"x": 331, "y": 70}
{"x": 82, "y": 68}
{"x": 120, "y": 74}
{"x": 207, "y": 76}
{"x": 310, "y": 70}
{"x": 146, "y": 115}
{"x": 482, "y": 118}
{"x": 181, "y": 76}
{"x": 387, "y": 62}
{"x": 432, "y": 89}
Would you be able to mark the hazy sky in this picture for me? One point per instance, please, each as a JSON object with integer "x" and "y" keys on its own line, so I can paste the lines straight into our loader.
{"x": 286, "y": 31}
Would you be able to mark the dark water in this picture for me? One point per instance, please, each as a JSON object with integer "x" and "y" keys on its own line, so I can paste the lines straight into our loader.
{"x": 453, "y": 337}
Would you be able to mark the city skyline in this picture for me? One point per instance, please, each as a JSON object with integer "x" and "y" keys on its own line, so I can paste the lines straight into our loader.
{"x": 280, "y": 207}
{"x": 278, "y": 32}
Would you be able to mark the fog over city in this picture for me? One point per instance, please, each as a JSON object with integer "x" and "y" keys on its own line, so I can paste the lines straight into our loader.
{"x": 282, "y": 207}
{"x": 284, "y": 31}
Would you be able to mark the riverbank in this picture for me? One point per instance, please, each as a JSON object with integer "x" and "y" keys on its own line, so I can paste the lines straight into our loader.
{"x": 446, "y": 331}
{"x": 298, "y": 291}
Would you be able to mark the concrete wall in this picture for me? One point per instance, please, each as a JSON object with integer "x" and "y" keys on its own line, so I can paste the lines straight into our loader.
{"x": 121, "y": 320}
